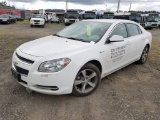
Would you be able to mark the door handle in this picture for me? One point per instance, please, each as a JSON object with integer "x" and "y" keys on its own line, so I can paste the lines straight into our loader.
{"x": 128, "y": 43}
{"x": 143, "y": 38}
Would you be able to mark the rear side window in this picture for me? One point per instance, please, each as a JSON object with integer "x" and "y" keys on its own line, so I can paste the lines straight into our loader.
{"x": 133, "y": 29}
{"x": 120, "y": 30}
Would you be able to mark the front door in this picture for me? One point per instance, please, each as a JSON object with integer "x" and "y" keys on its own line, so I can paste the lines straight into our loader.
{"x": 116, "y": 54}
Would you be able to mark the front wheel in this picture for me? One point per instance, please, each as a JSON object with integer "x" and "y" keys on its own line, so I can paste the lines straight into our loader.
{"x": 144, "y": 55}
{"x": 43, "y": 26}
{"x": 8, "y": 22}
{"x": 87, "y": 80}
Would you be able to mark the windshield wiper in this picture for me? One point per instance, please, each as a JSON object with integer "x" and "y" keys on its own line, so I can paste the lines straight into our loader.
{"x": 78, "y": 39}
{"x": 58, "y": 35}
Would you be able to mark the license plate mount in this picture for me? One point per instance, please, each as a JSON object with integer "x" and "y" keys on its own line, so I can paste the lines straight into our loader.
{"x": 16, "y": 75}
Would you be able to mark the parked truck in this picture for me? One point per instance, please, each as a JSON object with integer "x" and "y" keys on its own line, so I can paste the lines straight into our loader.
{"x": 136, "y": 17}
{"x": 107, "y": 15}
{"x": 71, "y": 16}
{"x": 89, "y": 15}
{"x": 153, "y": 19}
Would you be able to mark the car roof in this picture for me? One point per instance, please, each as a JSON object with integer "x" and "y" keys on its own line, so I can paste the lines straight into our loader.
{"x": 110, "y": 20}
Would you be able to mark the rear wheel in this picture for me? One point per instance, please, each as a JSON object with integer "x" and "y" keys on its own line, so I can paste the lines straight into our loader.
{"x": 144, "y": 55}
{"x": 87, "y": 80}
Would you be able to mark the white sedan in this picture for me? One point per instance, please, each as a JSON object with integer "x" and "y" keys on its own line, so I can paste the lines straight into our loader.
{"x": 76, "y": 59}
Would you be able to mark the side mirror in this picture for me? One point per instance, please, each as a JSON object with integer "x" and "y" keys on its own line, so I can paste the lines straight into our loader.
{"x": 116, "y": 38}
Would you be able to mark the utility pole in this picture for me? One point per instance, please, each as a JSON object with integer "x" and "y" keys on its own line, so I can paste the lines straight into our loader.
{"x": 106, "y": 7}
{"x": 130, "y": 6}
{"x": 66, "y": 5}
{"x": 118, "y": 6}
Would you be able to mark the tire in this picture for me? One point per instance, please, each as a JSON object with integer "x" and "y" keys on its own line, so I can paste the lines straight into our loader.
{"x": 31, "y": 25}
{"x": 144, "y": 55}
{"x": 83, "y": 84}
{"x": 8, "y": 22}
{"x": 43, "y": 26}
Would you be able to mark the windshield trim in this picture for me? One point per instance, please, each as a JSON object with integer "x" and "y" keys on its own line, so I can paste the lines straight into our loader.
{"x": 33, "y": 16}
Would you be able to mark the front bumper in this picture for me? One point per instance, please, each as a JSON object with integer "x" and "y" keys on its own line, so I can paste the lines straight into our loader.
{"x": 3, "y": 21}
{"x": 37, "y": 23}
{"x": 69, "y": 22}
{"x": 148, "y": 27}
{"x": 155, "y": 26}
{"x": 47, "y": 83}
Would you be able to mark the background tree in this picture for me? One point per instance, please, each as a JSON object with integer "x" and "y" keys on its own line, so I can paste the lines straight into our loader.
{"x": 3, "y": 3}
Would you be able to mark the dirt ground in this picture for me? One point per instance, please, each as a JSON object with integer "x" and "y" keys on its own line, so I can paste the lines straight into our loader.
{"x": 132, "y": 93}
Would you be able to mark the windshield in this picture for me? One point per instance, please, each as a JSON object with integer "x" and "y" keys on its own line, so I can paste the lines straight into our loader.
{"x": 152, "y": 19}
{"x": 135, "y": 18}
{"x": 89, "y": 16}
{"x": 4, "y": 16}
{"x": 126, "y": 17}
{"x": 105, "y": 16}
{"x": 72, "y": 15}
{"x": 85, "y": 31}
{"x": 37, "y": 16}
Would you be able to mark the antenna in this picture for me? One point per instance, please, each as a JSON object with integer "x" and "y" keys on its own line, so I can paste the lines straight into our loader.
{"x": 66, "y": 5}
{"x": 130, "y": 6}
{"x": 106, "y": 7}
{"x": 118, "y": 6}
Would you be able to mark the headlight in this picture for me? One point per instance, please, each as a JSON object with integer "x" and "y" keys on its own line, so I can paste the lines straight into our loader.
{"x": 42, "y": 21}
{"x": 54, "y": 65}
{"x": 148, "y": 24}
{"x": 77, "y": 20}
{"x": 66, "y": 20}
{"x": 32, "y": 20}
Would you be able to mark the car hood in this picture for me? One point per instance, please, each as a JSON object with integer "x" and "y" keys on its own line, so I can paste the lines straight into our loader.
{"x": 51, "y": 45}
{"x": 37, "y": 19}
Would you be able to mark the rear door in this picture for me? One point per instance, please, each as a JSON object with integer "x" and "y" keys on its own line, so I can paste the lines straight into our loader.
{"x": 136, "y": 39}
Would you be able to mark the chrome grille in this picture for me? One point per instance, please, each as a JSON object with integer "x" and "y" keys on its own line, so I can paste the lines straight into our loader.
{"x": 24, "y": 59}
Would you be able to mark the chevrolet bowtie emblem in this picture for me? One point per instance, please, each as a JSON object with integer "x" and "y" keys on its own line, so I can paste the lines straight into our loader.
{"x": 15, "y": 63}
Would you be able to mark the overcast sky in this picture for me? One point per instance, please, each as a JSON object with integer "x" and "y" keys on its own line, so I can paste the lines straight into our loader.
{"x": 143, "y": 5}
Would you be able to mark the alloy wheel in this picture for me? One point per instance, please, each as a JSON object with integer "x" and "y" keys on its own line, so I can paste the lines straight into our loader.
{"x": 145, "y": 54}
{"x": 86, "y": 81}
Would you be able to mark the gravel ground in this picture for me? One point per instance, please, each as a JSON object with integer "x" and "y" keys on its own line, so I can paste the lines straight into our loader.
{"x": 132, "y": 93}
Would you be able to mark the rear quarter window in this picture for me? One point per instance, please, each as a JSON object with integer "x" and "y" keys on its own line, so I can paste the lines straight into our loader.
{"x": 133, "y": 29}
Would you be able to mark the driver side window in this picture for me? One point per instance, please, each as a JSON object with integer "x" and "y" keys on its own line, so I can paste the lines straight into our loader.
{"x": 120, "y": 30}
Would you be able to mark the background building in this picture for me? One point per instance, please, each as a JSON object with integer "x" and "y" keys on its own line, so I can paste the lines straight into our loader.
{"x": 4, "y": 9}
